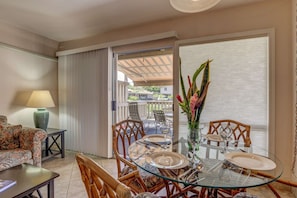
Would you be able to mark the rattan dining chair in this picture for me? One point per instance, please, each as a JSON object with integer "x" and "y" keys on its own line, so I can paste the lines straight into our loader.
{"x": 124, "y": 134}
{"x": 287, "y": 183}
{"x": 98, "y": 182}
{"x": 240, "y": 131}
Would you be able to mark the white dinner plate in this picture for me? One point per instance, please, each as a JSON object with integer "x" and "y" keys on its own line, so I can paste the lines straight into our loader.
{"x": 167, "y": 160}
{"x": 155, "y": 138}
{"x": 214, "y": 137}
{"x": 250, "y": 161}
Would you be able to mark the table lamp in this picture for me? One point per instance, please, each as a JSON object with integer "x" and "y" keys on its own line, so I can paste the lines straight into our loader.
{"x": 41, "y": 99}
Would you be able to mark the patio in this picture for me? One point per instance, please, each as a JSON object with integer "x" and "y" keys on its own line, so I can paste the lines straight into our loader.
{"x": 145, "y": 108}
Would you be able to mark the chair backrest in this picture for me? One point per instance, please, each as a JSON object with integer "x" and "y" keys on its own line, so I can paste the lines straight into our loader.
{"x": 124, "y": 134}
{"x": 133, "y": 111}
{"x": 98, "y": 182}
{"x": 240, "y": 131}
{"x": 159, "y": 116}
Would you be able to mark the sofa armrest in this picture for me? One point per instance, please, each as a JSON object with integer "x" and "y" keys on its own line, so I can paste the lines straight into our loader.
{"x": 31, "y": 139}
{"x": 3, "y": 120}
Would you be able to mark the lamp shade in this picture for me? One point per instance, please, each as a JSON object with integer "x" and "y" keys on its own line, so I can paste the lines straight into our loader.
{"x": 192, "y": 6}
{"x": 40, "y": 99}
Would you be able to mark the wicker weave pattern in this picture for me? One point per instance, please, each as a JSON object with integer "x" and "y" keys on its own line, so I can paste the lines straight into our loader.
{"x": 124, "y": 134}
{"x": 240, "y": 131}
{"x": 98, "y": 182}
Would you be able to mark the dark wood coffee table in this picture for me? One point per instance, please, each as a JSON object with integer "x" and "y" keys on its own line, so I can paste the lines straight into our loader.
{"x": 28, "y": 179}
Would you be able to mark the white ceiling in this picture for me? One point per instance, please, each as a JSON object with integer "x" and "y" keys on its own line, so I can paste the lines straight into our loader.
{"x": 148, "y": 70}
{"x": 63, "y": 20}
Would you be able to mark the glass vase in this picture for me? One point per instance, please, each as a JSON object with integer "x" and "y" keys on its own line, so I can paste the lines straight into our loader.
{"x": 193, "y": 147}
{"x": 193, "y": 139}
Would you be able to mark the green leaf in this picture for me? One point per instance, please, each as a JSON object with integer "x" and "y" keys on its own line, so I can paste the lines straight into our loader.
{"x": 196, "y": 74}
{"x": 182, "y": 84}
{"x": 204, "y": 83}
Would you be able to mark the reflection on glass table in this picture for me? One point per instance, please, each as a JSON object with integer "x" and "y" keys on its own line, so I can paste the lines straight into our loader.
{"x": 238, "y": 167}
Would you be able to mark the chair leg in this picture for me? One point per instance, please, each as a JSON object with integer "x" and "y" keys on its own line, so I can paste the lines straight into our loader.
{"x": 273, "y": 190}
{"x": 39, "y": 193}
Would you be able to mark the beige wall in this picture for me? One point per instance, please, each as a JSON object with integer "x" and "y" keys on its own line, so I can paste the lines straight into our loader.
{"x": 275, "y": 14}
{"x": 17, "y": 67}
{"x": 25, "y": 40}
{"x": 27, "y": 62}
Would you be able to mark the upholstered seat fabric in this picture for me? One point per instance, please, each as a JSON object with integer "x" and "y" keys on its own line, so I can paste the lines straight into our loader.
{"x": 150, "y": 180}
{"x": 10, "y": 158}
{"x": 19, "y": 145}
{"x": 9, "y": 136}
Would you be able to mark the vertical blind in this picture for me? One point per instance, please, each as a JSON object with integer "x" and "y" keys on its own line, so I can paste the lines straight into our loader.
{"x": 83, "y": 101}
{"x": 239, "y": 79}
{"x": 295, "y": 56}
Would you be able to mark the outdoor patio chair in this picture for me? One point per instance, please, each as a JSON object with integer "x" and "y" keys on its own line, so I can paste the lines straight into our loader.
{"x": 133, "y": 111}
{"x": 134, "y": 115}
{"x": 161, "y": 120}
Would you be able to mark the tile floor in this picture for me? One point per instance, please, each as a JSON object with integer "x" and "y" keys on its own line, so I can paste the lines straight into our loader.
{"x": 69, "y": 184}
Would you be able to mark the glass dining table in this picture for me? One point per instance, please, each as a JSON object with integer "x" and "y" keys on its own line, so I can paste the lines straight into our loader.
{"x": 210, "y": 166}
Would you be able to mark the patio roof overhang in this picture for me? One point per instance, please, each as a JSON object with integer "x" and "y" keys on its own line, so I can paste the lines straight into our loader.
{"x": 149, "y": 68}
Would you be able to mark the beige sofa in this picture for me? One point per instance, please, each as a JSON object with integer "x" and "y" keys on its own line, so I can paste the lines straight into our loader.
{"x": 19, "y": 144}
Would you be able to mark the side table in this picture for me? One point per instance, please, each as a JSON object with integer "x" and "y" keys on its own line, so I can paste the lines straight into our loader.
{"x": 52, "y": 146}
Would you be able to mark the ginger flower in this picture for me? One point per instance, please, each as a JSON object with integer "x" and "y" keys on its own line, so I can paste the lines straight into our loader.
{"x": 192, "y": 102}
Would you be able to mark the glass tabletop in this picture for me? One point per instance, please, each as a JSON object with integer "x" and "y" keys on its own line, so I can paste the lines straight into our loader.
{"x": 209, "y": 167}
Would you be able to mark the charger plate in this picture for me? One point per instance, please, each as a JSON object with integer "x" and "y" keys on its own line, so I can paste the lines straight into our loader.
{"x": 155, "y": 138}
{"x": 250, "y": 161}
{"x": 167, "y": 160}
{"x": 214, "y": 137}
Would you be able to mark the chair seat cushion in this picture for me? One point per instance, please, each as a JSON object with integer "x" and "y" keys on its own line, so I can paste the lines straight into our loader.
{"x": 10, "y": 158}
{"x": 150, "y": 180}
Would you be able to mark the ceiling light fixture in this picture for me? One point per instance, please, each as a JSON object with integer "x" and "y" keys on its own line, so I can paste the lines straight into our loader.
{"x": 192, "y": 6}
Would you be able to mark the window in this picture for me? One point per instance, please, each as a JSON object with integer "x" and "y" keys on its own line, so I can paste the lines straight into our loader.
{"x": 239, "y": 82}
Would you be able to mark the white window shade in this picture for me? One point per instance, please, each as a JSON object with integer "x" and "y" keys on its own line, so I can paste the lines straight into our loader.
{"x": 239, "y": 79}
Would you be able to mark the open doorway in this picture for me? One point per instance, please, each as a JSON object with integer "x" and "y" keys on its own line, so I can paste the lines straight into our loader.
{"x": 145, "y": 79}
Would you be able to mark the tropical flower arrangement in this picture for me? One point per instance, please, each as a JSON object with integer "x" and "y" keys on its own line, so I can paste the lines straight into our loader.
{"x": 192, "y": 101}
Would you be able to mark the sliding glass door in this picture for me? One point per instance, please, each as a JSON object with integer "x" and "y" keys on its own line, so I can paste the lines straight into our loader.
{"x": 240, "y": 88}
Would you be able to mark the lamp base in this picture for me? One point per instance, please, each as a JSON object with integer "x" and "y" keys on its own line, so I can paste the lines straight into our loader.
{"x": 41, "y": 117}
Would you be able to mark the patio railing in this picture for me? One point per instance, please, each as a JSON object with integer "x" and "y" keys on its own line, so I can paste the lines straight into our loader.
{"x": 145, "y": 109}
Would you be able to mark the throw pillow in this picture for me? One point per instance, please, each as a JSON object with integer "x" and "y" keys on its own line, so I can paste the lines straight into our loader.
{"x": 9, "y": 136}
